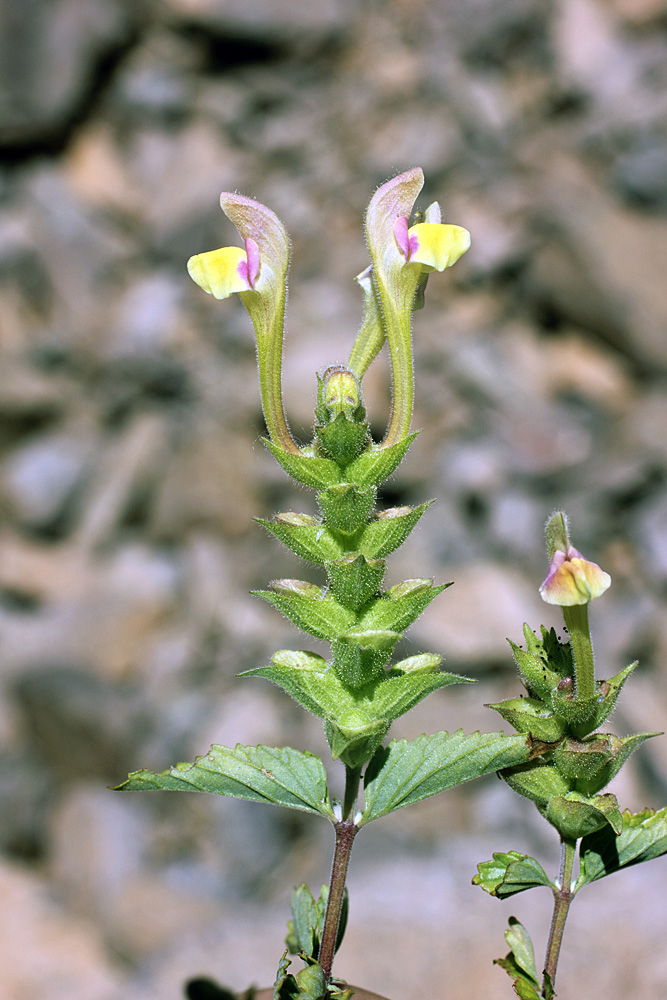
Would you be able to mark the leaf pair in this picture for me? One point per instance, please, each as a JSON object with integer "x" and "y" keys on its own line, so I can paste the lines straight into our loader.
{"x": 405, "y": 772}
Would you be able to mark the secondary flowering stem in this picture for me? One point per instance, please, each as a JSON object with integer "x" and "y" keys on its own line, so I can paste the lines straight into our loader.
{"x": 576, "y": 621}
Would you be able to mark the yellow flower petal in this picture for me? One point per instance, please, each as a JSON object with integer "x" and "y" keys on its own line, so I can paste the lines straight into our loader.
{"x": 220, "y": 272}
{"x": 436, "y": 245}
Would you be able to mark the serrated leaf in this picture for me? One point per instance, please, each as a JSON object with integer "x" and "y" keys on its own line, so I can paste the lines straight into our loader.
{"x": 408, "y": 771}
{"x": 377, "y": 463}
{"x": 510, "y": 873}
{"x": 643, "y": 838}
{"x": 278, "y": 775}
{"x": 284, "y": 986}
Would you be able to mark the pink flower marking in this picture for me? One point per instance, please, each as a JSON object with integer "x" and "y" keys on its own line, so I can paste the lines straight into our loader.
{"x": 248, "y": 269}
{"x": 406, "y": 244}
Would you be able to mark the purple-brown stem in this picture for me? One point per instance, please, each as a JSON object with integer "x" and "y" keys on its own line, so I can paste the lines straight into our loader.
{"x": 562, "y": 898}
{"x": 346, "y": 830}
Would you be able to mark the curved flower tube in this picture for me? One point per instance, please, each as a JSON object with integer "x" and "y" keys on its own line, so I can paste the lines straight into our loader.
{"x": 401, "y": 258}
{"x": 259, "y": 274}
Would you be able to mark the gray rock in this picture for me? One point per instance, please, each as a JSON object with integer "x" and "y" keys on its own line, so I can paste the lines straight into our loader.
{"x": 49, "y": 52}
{"x": 42, "y": 476}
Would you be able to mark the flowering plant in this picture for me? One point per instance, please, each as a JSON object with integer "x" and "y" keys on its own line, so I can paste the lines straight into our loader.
{"x": 359, "y": 692}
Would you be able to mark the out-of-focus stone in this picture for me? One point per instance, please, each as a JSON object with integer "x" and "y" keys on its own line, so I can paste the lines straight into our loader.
{"x": 78, "y": 725}
{"x": 99, "y": 843}
{"x": 266, "y": 19}
{"x": 65, "y": 42}
{"x": 98, "y": 173}
{"x": 41, "y": 477}
{"x": 46, "y": 952}
{"x": 487, "y": 603}
{"x": 641, "y": 174}
{"x": 602, "y": 269}
{"x": 198, "y": 489}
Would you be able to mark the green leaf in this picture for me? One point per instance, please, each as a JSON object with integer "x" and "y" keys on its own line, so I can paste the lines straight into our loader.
{"x": 311, "y": 682}
{"x": 397, "y": 694}
{"x": 304, "y": 535}
{"x": 285, "y": 986}
{"x": 306, "y": 468}
{"x": 521, "y": 945}
{"x": 575, "y": 815}
{"x": 278, "y": 775}
{"x": 398, "y": 609}
{"x": 643, "y": 838}
{"x": 609, "y": 692}
{"x": 508, "y": 874}
{"x": 389, "y": 529}
{"x": 309, "y": 608}
{"x": 305, "y": 927}
{"x": 408, "y": 771}
{"x": 377, "y": 463}
{"x": 530, "y": 715}
{"x": 537, "y": 781}
{"x": 312, "y": 984}
{"x": 590, "y": 764}
{"x": 520, "y": 963}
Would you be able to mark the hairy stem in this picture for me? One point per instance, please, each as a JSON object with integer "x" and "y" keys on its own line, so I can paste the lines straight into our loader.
{"x": 346, "y": 831}
{"x": 562, "y": 898}
{"x": 576, "y": 620}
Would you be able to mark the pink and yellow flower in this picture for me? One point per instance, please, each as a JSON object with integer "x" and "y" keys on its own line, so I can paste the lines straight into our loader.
{"x": 434, "y": 245}
{"x": 228, "y": 270}
{"x": 573, "y": 580}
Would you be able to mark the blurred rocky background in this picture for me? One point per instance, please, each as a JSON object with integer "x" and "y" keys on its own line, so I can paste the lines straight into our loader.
{"x": 131, "y": 461}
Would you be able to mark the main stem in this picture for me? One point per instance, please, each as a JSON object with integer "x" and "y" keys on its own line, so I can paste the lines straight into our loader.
{"x": 346, "y": 830}
{"x": 562, "y": 898}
